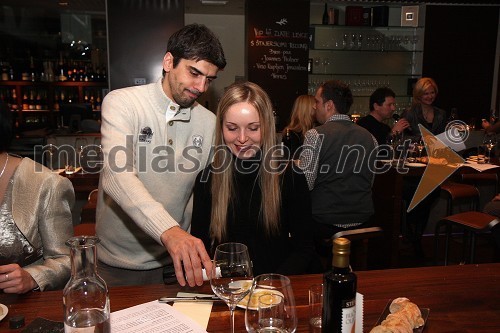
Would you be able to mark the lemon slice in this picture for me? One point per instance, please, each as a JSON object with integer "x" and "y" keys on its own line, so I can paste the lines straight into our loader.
{"x": 254, "y": 301}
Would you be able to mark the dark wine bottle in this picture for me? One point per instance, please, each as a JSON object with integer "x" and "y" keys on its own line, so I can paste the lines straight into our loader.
{"x": 325, "y": 15}
{"x": 339, "y": 297}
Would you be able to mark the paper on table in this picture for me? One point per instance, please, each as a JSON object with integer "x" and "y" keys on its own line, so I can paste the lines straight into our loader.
{"x": 359, "y": 313}
{"x": 198, "y": 311}
{"x": 480, "y": 167}
{"x": 152, "y": 317}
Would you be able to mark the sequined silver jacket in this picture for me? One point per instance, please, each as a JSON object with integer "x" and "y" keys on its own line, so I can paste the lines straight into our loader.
{"x": 41, "y": 207}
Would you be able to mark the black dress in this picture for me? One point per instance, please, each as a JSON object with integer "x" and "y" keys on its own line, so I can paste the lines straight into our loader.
{"x": 290, "y": 252}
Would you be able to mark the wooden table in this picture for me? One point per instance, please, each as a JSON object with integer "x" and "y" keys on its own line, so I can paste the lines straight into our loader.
{"x": 461, "y": 298}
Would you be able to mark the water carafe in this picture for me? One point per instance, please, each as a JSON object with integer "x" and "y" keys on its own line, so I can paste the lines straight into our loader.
{"x": 85, "y": 296}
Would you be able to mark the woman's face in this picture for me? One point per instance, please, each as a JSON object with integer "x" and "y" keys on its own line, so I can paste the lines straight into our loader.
{"x": 429, "y": 96}
{"x": 241, "y": 130}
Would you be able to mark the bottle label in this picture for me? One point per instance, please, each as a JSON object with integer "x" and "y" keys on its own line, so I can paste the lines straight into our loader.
{"x": 348, "y": 315}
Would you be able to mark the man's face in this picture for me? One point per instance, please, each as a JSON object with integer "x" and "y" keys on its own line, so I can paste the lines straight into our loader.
{"x": 320, "y": 107}
{"x": 188, "y": 80}
{"x": 387, "y": 108}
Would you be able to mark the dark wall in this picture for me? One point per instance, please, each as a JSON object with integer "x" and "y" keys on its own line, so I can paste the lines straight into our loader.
{"x": 460, "y": 46}
{"x": 137, "y": 38}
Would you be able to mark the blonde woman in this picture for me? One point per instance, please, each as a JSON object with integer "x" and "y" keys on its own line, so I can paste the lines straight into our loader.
{"x": 242, "y": 197}
{"x": 422, "y": 110}
{"x": 301, "y": 121}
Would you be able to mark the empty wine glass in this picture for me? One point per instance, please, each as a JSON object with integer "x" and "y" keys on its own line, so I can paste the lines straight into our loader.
{"x": 50, "y": 152}
{"x": 232, "y": 277}
{"x": 80, "y": 144}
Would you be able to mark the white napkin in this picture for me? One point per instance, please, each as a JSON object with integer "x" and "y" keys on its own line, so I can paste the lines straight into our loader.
{"x": 198, "y": 311}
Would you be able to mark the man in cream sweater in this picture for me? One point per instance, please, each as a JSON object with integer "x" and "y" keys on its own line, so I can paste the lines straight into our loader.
{"x": 156, "y": 138}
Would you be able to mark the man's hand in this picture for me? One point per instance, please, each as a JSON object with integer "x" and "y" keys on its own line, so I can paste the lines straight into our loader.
{"x": 401, "y": 125}
{"x": 188, "y": 255}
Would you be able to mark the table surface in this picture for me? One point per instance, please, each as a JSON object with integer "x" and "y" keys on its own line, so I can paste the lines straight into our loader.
{"x": 462, "y": 298}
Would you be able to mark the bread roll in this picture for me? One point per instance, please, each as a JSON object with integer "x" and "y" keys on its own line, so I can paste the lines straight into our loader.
{"x": 403, "y": 318}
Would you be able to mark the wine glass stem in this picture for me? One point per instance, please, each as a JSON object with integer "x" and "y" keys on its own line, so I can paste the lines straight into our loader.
{"x": 231, "y": 315}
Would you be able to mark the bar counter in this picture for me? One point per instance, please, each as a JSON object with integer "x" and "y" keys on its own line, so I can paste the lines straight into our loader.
{"x": 462, "y": 298}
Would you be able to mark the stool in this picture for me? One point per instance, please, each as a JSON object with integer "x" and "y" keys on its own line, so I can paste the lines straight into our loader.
{"x": 475, "y": 178}
{"x": 472, "y": 223}
{"x": 359, "y": 243}
{"x": 456, "y": 191}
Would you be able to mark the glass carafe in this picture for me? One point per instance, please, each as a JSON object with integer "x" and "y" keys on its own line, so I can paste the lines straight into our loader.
{"x": 85, "y": 296}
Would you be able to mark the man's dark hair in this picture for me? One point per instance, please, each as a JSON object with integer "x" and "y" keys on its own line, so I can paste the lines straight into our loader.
{"x": 338, "y": 92}
{"x": 196, "y": 42}
{"x": 379, "y": 96}
{"x": 6, "y": 128}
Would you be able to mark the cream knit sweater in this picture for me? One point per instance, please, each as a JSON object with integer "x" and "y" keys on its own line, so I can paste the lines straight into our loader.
{"x": 150, "y": 166}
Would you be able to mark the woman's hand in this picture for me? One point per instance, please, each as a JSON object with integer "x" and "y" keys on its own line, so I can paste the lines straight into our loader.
{"x": 15, "y": 280}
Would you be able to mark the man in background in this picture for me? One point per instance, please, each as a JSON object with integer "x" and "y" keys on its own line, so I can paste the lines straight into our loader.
{"x": 382, "y": 107}
{"x": 338, "y": 161}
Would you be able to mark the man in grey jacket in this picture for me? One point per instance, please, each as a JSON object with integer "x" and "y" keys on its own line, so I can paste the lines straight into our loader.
{"x": 156, "y": 138}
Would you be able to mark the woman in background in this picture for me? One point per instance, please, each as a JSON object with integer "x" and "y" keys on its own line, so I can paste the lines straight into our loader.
{"x": 244, "y": 197}
{"x": 422, "y": 110}
{"x": 35, "y": 221}
{"x": 301, "y": 120}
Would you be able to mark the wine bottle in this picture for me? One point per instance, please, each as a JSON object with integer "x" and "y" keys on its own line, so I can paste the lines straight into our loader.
{"x": 339, "y": 300}
{"x": 325, "y": 15}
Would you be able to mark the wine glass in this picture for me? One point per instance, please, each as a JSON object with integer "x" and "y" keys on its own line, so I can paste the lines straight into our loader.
{"x": 271, "y": 284}
{"x": 50, "y": 152}
{"x": 80, "y": 144}
{"x": 489, "y": 143}
{"x": 231, "y": 278}
{"x": 420, "y": 147}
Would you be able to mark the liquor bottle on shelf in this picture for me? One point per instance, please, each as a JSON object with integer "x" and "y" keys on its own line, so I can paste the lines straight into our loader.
{"x": 14, "y": 105}
{"x": 339, "y": 300}
{"x": 325, "y": 14}
{"x": 61, "y": 70}
{"x": 26, "y": 104}
{"x": 32, "y": 100}
{"x": 38, "y": 100}
{"x": 33, "y": 71}
{"x": 56, "y": 101}
{"x": 5, "y": 71}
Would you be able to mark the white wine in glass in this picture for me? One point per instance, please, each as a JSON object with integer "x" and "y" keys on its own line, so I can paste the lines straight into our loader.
{"x": 232, "y": 277}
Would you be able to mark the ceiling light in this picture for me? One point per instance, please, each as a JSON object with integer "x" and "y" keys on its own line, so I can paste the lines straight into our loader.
{"x": 214, "y": 2}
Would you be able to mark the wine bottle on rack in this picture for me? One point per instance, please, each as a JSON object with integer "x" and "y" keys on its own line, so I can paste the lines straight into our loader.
{"x": 339, "y": 300}
{"x": 325, "y": 14}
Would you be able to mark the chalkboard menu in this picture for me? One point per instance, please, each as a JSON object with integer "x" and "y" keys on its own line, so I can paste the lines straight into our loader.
{"x": 278, "y": 50}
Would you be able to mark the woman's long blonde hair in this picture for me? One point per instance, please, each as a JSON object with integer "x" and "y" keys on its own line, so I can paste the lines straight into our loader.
{"x": 420, "y": 87}
{"x": 222, "y": 188}
{"x": 302, "y": 118}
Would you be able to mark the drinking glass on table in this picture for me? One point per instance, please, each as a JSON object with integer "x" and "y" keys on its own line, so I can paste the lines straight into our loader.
{"x": 232, "y": 277}
{"x": 489, "y": 143}
{"x": 271, "y": 284}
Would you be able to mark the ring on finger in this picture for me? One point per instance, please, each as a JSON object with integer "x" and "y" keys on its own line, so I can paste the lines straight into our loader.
{"x": 6, "y": 277}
